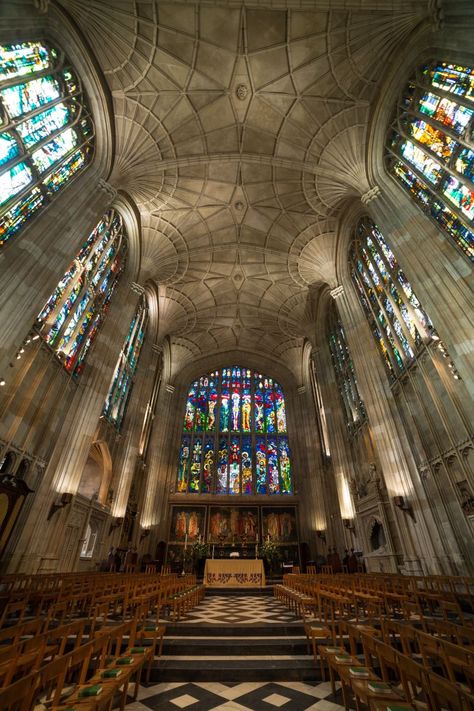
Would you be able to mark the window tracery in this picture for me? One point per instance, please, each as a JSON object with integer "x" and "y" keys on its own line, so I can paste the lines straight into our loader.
{"x": 397, "y": 320}
{"x": 73, "y": 314}
{"x": 235, "y": 436}
{"x": 345, "y": 373}
{"x": 122, "y": 380}
{"x": 430, "y": 148}
{"x": 46, "y": 131}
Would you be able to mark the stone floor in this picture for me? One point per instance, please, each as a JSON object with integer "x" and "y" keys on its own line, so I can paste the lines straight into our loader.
{"x": 254, "y": 696}
{"x": 239, "y": 610}
{"x": 236, "y": 614}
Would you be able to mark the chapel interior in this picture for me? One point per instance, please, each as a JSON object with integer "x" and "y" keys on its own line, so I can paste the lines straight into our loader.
{"x": 236, "y": 245}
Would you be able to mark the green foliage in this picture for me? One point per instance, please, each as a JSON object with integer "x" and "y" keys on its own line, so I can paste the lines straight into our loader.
{"x": 270, "y": 551}
{"x": 199, "y": 550}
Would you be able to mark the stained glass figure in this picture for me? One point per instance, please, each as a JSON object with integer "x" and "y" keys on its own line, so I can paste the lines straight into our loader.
{"x": 201, "y": 406}
{"x": 247, "y": 478}
{"x": 345, "y": 374}
{"x": 225, "y": 406}
{"x": 234, "y": 466}
{"x": 40, "y": 150}
{"x": 212, "y": 402}
{"x": 272, "y": 463}
{"x": 222, "y": 466}
{"x": 244, "y": 452}
{"x": 235, "y": 399}
{"x": 399, "y": 323}
{"x": 195, "y": 467}
{"x": 122, "y": 381}
{"x": 208, "y": 466}
{"x": 285, "y": 466}
{"x": 183, "y": 464}
{"x": 259, "y": 406}
{"x": 261, "y": 466}
{"x": 190, "y": 407}
{"x": 430, "y": 150}
{"x": 73, "y": 314}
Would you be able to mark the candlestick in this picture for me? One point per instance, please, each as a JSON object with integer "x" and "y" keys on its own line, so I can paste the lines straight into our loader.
{"x": 213, "y": 546}
{"x": 185, "y": 541}
{"x": 257, "y": 537}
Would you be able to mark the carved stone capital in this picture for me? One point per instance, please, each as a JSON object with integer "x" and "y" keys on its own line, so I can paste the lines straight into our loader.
{"x": 42, "y": 6}
{"x": 370, "y": 195}
{"x": 107, "y": 188}
{"x": 137, "y": 288}
{"x": 157, "y": 349}
{"x": 301, "y": 390}
{"x": 435, "y": 8}
{"x": 337, "y": 291}
{"x": 170, "y": 388}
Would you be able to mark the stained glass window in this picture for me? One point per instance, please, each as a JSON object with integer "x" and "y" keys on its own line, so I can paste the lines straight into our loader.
{"x": 70, "y": 319}
{"x": 345, "y": 373}
{"x": 46, "y": 132}
{"x": 398, "y": 322}
{"x": 122, "y": 380}
{"x": 235, "y": 436}
{"x": 430, "y": 147}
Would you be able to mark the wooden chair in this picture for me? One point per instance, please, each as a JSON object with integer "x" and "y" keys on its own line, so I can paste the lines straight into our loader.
{"x": 17, "y": 696}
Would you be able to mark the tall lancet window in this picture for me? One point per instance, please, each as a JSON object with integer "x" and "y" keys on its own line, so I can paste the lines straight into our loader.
{"x": 235, "y": 438}
{"x": 73, "y": 314}
{"x": 46, "y": 132}
{"x": 430, "y": 147}
{"x": 345, "y": 374}
{"x": 122, "y": 381}
{"x": 397, "y": 319}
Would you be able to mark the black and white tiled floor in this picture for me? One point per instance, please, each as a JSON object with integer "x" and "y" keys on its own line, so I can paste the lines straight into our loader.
{"x": 253, "y": 696}
{"x": 239, "y": 610}
{"x": 234, "y": 611}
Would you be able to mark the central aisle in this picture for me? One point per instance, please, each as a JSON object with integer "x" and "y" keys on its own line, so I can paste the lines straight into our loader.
{"x": 238, "y": 652}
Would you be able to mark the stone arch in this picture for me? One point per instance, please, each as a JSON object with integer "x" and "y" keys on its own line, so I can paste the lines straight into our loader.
{"x": 376, "y": 534}
{"x": 7, "y": 463}
{"x": 97, "y": 473}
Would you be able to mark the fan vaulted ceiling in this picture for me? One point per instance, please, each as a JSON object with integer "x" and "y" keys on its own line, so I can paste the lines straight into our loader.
{"x": 240, "y": 131}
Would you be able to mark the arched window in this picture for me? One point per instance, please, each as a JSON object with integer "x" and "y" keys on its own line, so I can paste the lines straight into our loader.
{"x": 430, "y": 147}
{"x": 397, "y": 319}
{"x": 122, "y": 380}
{"x": 345, "y": 374}
{"x": 46, "y": 132}
{"x": 235, "y": 439}
{"x": 70, "y": 319}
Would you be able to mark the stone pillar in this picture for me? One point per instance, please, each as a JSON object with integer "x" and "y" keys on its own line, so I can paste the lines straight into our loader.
{"x": 32, "y": 262}
{"x": 441, "y": 276}
{"x": 416, "y": 541}
{"x": 74, "y": 438}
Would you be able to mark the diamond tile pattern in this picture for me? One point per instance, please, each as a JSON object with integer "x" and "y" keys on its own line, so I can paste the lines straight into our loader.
{"x": 239, "y": 610}
{"x": 255, "y": 696}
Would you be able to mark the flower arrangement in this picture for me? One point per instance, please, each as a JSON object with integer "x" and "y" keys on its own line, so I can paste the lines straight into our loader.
{"x": 270, "y": 551}
{"x": 199, "y": 550}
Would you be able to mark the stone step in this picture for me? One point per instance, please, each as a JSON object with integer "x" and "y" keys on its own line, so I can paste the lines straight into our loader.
{"x": 230, "y": 670}
{"x": 218, "y": 630}
{"x": 231, "y": 646}
{"x": 266, "y": 591}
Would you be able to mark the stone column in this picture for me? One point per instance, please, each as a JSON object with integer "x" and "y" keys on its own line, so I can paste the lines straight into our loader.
{"x": 441, "y": 276}
{"x": 32, "y": 262}
{"x": 401, "y": 477}
{"x": 74, "y": 437}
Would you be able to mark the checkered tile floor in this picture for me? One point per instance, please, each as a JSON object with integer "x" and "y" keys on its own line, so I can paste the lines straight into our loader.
{"x": 257, "y": 696}
{"x": 239, "y": 610}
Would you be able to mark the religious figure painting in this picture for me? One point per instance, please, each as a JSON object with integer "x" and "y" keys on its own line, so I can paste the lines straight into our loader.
{"x": 233, "y": 523}
{"x": 280, "y": 524}
{"x": 187, "y": 521}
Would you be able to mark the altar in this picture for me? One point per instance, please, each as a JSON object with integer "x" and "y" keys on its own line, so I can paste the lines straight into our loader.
{"x": 233, "y": 573}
